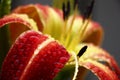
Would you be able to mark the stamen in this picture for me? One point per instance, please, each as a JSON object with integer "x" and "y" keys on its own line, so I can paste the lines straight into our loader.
{"x": 81, "y": 31}
{"x": 70, "y": 28}
{"x": 82, "y": 51}
{"x": 66, "y": 10}
{"x": 63, "y": 9}
{"x": 86, "y": 19}
{"x": 89, "y": 10}
{"x": 75, "y": 4}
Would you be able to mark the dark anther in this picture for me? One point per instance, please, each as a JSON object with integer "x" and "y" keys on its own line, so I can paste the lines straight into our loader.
{"x": 66, "y": 10}
{"x": 82, "y": 51}
{"x": 63, "y": 9}
{"x": 68, "y": 7}
{"x": 88, "y": 10}
{"x": 75, "y": 3}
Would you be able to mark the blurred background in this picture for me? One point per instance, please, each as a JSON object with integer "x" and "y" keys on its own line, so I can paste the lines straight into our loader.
{"x": 107, "y": 13}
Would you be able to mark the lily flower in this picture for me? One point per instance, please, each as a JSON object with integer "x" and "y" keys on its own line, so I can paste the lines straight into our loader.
{"x": 50, "y": 44}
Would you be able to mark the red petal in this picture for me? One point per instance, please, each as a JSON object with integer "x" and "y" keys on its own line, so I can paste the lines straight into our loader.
{"x": 34, "y": 56}
{"x": 110, "y": 60}
{"x": 37, "y": 12}
{"x": 14, "y": 18}
{"x": 94, "y": 33}
{"x": 92, "y": 59}
{"x": 102, "y": 71}
{"x": 22, "y": 20}
{"x": 32, "y": 12}
{"x": 44, "y": 9}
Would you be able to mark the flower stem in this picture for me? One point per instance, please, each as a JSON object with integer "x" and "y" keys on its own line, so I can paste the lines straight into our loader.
{"x": 5, "y": 6}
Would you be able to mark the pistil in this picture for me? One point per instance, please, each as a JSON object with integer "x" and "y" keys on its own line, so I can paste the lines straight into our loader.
{"x": 86, "y": 19}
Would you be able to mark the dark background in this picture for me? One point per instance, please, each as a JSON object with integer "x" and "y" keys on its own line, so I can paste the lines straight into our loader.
{"x": 107, "y": 13}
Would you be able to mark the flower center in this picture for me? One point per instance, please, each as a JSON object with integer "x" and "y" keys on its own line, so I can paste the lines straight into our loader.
{"x": 70, "y": 38}
{"x": 70, "y": 30}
